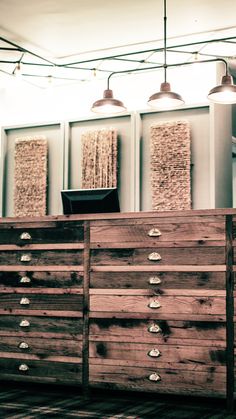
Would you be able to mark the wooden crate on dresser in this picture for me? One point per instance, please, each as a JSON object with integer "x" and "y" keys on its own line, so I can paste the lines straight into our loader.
{"x": 136, "y": 301}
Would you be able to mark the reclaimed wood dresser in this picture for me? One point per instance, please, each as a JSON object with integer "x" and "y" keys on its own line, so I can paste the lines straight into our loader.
{"x": 136, "y": 301}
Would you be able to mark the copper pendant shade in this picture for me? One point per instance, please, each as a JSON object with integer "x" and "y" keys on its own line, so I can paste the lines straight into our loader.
{"x": 108, "y": 104}
{"x": 225, "y": 92}
{"x": 165, "y": 99}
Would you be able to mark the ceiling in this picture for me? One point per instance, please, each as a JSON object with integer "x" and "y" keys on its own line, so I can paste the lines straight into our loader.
{"x": 70, "y": 39}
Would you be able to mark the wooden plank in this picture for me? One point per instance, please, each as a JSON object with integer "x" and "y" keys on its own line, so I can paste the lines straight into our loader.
{"x": 48, "y": 268}
{"x": 229, "y": 314}
{"x": 167, "y": 280}
{"x": 41, "y": 279}
{"x": 28, "y": 247}
{"x": 42, "y": 258}
{"x": 156, "y": 244}
{"x": 169, "y": 256}
{"x": 157, "y": 270}
{"x": 60, "y": 302}
{"x": 86, "y": 308}
{"x": 141, "y": 352}
{"x": 168, "y": 304}
{"x": 172, "y": 380}
{"x": 159, "y": 292}
{"x": 41, "y": 325}
{"x": 171, "y": 230}
{"x": 42, "y": 346}
{"x": 156, "y": 315}
{"x": 41, "y": 291}
{"x": 46, "y": 312}
{"x": 165, "y": 331}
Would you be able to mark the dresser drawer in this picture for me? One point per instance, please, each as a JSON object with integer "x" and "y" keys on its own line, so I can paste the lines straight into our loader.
{"x": 41, "y": 257}
{"x": 42, "y": 347}
{"x": 159, "y": 353}
{"x": 64, "y": 327}
{"x": 200, "y": 255}
{"x": 155, "y": 278}
{"x": 190, "y": 379}
{"x": 156, "y": 331}
{"x": 44, "y": 301}
{"x": 50, "y": 279}
{"x": 45, "y": 232}
{"x": 27, "y": 368}
{"x": 196, "y": 228}
{"x": 161, "y": 304}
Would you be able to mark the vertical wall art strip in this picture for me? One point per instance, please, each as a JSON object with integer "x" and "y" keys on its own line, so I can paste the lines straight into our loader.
{"x": 30, "y": 176}
{"x": 99, "y": 159}
{"x": 170, "y": 166}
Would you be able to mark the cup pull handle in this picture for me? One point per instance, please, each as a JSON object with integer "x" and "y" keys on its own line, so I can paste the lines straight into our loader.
{"x": 23, "y": 367}
{"x": 154, "y": 328}
{"x": 154, "y": 232}
{"x": 24, "y": 323}
{"x": 25, "y": 280}
{"x": 23, "y": 345}
{"x": 154, "y": 353}
{"x": 25, "y": 236}
{"x": 154, "y": 256}
{"x": 24, "y": 301}
{"x": 154, "y": 280}
{"x": 25, "y": 258}
{"x": 154, "y": 377}
{"x": 154, "y": 304}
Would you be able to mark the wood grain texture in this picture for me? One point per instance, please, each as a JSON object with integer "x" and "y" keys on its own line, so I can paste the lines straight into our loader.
{"x": 42, "y": 258}
{"x": 169, "y": 256}
{"x": 9, "y": 301}
{"x": 41, "y": 279}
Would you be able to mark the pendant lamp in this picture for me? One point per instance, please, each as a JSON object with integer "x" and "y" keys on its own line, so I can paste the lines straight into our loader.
{"x": 108, "y": 105}
{"x": 165, "y": 98}
{"x": 225, "y": 92}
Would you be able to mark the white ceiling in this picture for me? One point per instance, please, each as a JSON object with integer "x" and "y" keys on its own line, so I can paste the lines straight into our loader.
{"x": 65, "y": 31}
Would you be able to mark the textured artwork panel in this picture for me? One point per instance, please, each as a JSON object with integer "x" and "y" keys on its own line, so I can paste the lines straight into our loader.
{"x": 30, "y": 176}
{"x": 170, "y": 162}
{"x": 99, "y": 159}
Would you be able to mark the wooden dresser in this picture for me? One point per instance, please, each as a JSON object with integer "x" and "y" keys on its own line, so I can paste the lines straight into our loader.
{"x": 136, "y": 301}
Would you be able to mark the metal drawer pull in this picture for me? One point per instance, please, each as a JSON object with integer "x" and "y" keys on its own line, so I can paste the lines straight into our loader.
{"x": 24, "y": 301}
{"x": 25, "y": 280}
{"x": 154, "y": 256}
{"x": 154, "y": 304}
{"x": 24, "y": 323}
{"x": 154, "y": 328}
{"x": 25, "y": 236}
{"x": 154, "y": 280}
{"x": 25, "y": 258}
{"x": 23, "y": 345}
{"x": 154, "y": 232}
{"x": 23, "y": 367}
{"x": 154, "y": 353}
{"x": 154, "y": 377}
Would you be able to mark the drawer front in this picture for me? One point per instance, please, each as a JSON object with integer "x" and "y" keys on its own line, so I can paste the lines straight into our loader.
{"x": 159, "y": 229}
{"x": 67, "y": 302}
{"x": 36, "y": 325}
{"x": 155, "y": 331}
{"x": 26, "y": 368}
{"x": 160, "y": 256}
{"x": 158, "y": 305}
{"x": 165, "y": 280}
{"x": 41, "y": 258}
{"x": 159, "y": 353}
{"x": 48, "y": 279}
{"x": 167, "y": 380}
{"x": 48, "y": 232}
{"x": 40, "y": 346}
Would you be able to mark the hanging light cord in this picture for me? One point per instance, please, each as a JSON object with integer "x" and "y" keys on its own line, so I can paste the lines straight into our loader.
{"x": 165, "y": 21}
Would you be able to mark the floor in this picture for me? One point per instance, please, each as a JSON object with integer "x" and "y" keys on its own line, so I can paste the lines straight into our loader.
{"x": 40, "y": 402}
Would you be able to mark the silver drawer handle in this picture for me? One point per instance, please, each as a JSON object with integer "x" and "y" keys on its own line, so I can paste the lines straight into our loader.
{"x": 154, "y": 353}
{"x": 25, "y": 258}
{"x": 154, "y": 280}
{"x": 154, "y": 328}
{"x": 154, "y": 304}
{"x": 24, "y": 323}
{"x": 23, "y": 367}
{"x": 154, "y": 377}
{"x": 23, "y": 345}
{"x": 154, "y": 232}
{"x": 24, "y": 301}
{"x": 25, "y": 280}
{"x": 25, "y": 236}
{"x": 154, "y": 256}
